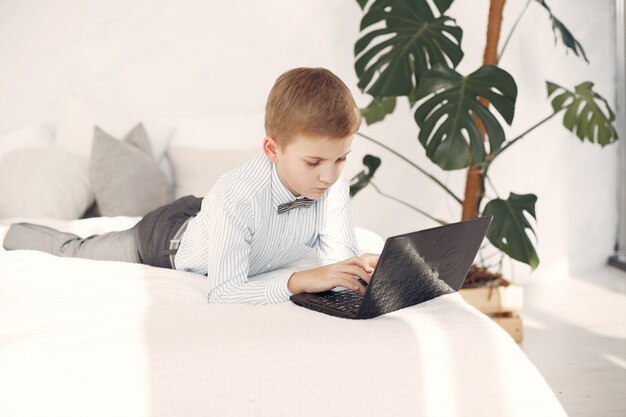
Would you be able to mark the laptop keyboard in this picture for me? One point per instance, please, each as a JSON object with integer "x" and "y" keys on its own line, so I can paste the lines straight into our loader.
{"x": 339, "y": 300}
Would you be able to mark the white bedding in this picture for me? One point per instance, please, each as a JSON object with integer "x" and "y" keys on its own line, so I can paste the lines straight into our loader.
{"x": 93, "y": 338}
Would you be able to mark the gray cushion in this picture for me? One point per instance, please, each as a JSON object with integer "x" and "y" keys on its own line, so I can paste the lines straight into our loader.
{"x": 126, "y": 179}
{"x": 44, "y": 183}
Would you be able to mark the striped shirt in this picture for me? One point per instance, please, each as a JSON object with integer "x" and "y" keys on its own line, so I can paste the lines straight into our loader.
{"x": 241, "y": 243}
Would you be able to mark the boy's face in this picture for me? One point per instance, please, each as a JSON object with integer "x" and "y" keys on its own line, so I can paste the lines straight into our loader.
{"x": 308, "y": 166}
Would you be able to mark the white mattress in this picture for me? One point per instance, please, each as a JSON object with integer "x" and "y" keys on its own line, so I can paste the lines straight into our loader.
{"x": 93, "y": 338}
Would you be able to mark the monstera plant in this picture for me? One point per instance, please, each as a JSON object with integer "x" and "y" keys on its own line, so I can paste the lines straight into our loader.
{"x": 411, "y": 48}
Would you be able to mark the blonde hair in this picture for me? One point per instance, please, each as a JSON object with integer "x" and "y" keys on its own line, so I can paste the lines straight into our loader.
{"x": 309, "y": 102}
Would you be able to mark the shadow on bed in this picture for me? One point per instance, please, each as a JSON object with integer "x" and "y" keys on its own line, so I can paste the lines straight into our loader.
{"x": 441, "y": 358}
{"x": 109, "y": 338}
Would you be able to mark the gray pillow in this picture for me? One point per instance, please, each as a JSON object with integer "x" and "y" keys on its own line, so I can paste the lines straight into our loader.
{"x": 46, "y": 183}
{"x": 126, "y": 179}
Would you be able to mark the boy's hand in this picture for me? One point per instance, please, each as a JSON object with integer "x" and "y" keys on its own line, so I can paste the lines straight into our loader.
{"x": 371, "y": 259}
{"x": 341, "y": 274}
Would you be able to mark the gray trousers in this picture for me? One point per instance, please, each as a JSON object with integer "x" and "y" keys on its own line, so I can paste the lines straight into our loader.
{"x": 113, "y": 246}
{"x": 148, "y": 242}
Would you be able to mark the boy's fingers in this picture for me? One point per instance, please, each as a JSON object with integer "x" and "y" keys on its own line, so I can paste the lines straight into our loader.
{"x": 373, "y": 260}
{"x": 360, "y": 287}
{"x": 346, "y": 282}
{"x": 370, "y": 259}
{"x": 357, "y": 271}
{"x": 353, "y": 284}
{"x": 359, "y": 262}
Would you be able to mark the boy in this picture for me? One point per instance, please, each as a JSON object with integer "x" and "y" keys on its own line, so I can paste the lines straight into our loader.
{"x": 258, "y": 218}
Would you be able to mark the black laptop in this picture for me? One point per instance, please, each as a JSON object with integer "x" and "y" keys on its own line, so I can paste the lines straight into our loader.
{"x": 413, "y": 268}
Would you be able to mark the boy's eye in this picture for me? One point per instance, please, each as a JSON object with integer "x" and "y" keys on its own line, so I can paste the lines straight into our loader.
{"x": 312, "y": 164}
{"x": 342, "y": 159}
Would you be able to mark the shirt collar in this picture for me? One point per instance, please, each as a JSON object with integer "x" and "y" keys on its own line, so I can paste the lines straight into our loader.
{"x": 280, "y": 193}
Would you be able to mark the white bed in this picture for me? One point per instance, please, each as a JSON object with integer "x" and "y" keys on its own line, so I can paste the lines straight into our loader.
{"x": 94, "y": 338}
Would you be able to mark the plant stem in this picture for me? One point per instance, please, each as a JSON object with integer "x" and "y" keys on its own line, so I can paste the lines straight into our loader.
{"x": 508, "y": 145}
{"x": 490, "y": 158}
{"x": 491, "y": 255}
{"x": 482, "y": 258}
{"x": 442, "y": 222}
{"x": 498, "y": 264}
{"x": 474, "y": 181}
{"x": 506, "y": 42}
{"x": 492, "y": 186}
{"x": 413, "y": 165}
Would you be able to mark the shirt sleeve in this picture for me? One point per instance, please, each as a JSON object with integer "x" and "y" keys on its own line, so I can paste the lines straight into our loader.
{"x": 337, "y": 240}
{"x": 228, "y": 228}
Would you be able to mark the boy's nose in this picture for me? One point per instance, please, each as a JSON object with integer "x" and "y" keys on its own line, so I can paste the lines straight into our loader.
{"x": 328, "y": 176}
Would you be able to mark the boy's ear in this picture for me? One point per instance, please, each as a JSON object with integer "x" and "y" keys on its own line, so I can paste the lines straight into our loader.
{"x": 270, "y": 147}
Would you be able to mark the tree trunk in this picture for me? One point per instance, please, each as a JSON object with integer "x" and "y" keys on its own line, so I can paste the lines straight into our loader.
{"x": 475, "y": 183}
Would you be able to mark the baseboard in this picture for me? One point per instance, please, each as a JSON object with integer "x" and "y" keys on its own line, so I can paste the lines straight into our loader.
{"x": 617, "y": 262}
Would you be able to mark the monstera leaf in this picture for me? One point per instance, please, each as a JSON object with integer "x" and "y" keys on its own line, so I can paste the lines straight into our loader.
{"x": 568, "y": 39}
{"x": 448, "y": 130}
{"x": 442, "y": 5}
{"x": 583, "y": 114}
{"x": 508, "y": 227}
{"x": 411, "y": 42}
{"x": 363, "y": 178}
{"x": 378, "y": 109}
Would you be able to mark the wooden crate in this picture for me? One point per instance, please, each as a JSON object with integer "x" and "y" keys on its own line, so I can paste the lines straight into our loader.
{"x": 511, "y": 323}
{"x": 506, "y": 298}
{"x": 502, "y": 303}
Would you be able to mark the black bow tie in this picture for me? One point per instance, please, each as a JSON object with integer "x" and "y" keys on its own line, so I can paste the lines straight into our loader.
{"x": 300, "y": 202}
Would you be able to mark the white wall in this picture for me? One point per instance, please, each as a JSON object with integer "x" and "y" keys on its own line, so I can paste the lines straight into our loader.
{"x": 190, "y": 59}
